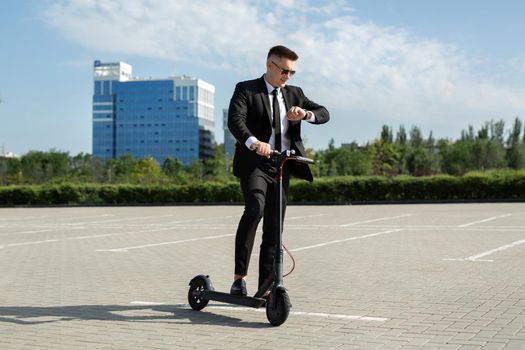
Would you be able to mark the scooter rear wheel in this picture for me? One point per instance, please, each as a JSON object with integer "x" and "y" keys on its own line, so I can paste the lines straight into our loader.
{"x": 195, "y": 299}
{"x": 278, "y": 315}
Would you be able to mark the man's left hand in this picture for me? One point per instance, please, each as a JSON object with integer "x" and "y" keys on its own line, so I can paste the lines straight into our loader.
{"x": 296, "y": 113}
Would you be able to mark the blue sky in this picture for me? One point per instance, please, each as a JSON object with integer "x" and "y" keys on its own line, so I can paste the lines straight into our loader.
{"x": 440, "y": 65}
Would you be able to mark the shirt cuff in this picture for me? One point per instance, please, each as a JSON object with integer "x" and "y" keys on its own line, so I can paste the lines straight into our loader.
{"x": 310, "y": 117}
{"x": 250, "y": 141}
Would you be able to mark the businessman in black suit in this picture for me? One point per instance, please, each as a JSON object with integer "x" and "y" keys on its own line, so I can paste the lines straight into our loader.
{"x": 266, "y": 114}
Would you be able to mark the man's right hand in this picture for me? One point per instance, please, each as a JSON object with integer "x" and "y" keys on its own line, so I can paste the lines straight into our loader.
{"x": 262, "y": 148}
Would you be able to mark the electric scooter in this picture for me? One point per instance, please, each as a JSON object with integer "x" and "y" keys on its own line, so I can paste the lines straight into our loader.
{"x": 278, "y": 302}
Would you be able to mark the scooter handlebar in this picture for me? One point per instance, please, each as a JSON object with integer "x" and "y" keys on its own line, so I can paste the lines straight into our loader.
{"x": 290, "y": 154}
{"x": 304, "y": 160}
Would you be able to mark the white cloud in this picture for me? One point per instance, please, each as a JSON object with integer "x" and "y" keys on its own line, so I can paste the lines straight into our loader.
{"x": 347, "y": 64}
{"x": 518, "y": 63}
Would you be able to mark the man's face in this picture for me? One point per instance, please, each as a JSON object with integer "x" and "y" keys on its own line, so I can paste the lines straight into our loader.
{"x": 279, "y": 70}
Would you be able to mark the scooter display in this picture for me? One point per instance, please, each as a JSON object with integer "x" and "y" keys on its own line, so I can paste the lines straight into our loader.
{"x": 278, "y": 301}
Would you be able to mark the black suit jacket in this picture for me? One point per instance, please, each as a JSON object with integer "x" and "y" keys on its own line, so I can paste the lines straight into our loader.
{"x": 249, "y": 114}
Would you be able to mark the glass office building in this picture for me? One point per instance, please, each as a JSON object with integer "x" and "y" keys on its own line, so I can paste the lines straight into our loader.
{"x": 229, "y": 140}
{"x": 157, "y": 118}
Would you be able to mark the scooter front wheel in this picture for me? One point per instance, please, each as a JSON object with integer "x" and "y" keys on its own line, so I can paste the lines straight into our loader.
{"x": 195, "y": 299}
{"x": 278, "y": 315}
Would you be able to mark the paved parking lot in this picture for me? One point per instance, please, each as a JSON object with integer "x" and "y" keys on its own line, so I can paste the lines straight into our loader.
{"x": 444, "y": 276}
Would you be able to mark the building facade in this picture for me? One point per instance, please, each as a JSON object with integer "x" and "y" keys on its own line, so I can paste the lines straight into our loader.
{"x": 229, "y": 140}
{"x": 157, "y": 118}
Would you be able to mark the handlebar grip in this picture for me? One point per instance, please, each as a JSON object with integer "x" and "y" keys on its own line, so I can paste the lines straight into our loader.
{"x": 304, "y": 160}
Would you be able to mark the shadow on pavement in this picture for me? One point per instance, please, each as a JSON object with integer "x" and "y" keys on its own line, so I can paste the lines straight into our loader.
{"x": 169, "y": 314}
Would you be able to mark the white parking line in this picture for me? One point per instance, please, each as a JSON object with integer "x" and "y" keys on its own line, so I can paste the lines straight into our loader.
{"x": 105, "y": 235}
{"x": 344, "y": 240}
{"x": 293, "y": 313}
{"x": 87, "y": 217}
{"x": 82, "y": 237}
{"x": 28, "y": 243}
{"x": 306, "y": 314}
{"x": 116, "y": 220}
{"x": 374, "y": 220}
{"x": 485, "y": 220}
{"x": 490, "y": 252}
{"x": 303, "y": 217}
{"x": 23, "y": 218}
{"x": 126, "y": 249}
{"x": 39, "y": 231}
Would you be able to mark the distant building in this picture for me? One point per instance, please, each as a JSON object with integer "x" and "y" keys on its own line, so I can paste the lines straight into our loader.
{"x": 229, "y": 140}
{"x": 161, "y": 118}
{"x": 5, "y": 154}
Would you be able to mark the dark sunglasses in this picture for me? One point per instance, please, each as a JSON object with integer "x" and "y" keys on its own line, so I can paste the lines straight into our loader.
{"x": 284, "y": 71}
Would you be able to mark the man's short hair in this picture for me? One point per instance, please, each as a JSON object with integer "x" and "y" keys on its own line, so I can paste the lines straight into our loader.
{"x": 283, "y": 51}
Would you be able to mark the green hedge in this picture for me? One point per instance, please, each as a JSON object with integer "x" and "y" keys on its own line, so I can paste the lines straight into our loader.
{"x": 407, "y": 188}
{"x": 476, "y": 186}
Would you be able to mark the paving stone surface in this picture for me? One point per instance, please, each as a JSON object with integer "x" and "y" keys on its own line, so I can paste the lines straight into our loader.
{"x": 443, "y": 276}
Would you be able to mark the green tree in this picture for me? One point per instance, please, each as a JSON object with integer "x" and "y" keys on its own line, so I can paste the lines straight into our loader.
{"x": 516, "y": 151}
{"x": 416, "y": 137}
{"x": 401, "y": 136}
{"x": 456, "y": 158}
{"x": 10, "y": 171}
{"x": 215, "y": 168}
{"x": 331, "y": 144}
{"x": 386, "y": 134}
{"x": 172, "y": 167}
{"x": 421, "y": 161}
{"x": 196, "y": 170}
{"x": 123, "y": 168}
{"x": 81, "y": 168}
{"x": 384, "y": 158}
{"x": 38, "y": 167}
{"x": 100, "y": 170}
{"x": 347, "y": 161}
{"x": 147, "y": 171}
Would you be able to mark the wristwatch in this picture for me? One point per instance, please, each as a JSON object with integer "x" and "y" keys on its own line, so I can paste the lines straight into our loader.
{"x": 306, "y": 115}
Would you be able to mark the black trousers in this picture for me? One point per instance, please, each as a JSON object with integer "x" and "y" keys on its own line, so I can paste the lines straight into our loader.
{"x": 260, "y": 201}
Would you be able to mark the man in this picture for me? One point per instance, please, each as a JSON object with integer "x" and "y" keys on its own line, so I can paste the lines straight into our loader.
{"x": 266, "y": 114}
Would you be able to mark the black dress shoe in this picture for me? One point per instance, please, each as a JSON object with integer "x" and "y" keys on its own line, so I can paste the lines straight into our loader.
{"x": 239, "y": 287}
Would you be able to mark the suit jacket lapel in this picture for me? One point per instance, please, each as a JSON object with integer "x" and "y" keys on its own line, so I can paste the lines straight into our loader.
{"x": 286, "y": 98}
{"x": 287, "y": 101}
{"x": 263, "y": 92}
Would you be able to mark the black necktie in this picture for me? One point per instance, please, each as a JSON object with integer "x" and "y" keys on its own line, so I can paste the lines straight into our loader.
{"x": 276, "y": 122}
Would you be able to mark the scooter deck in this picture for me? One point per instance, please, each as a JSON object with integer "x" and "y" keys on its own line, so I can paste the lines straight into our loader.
{"x": 233, "y": 299}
